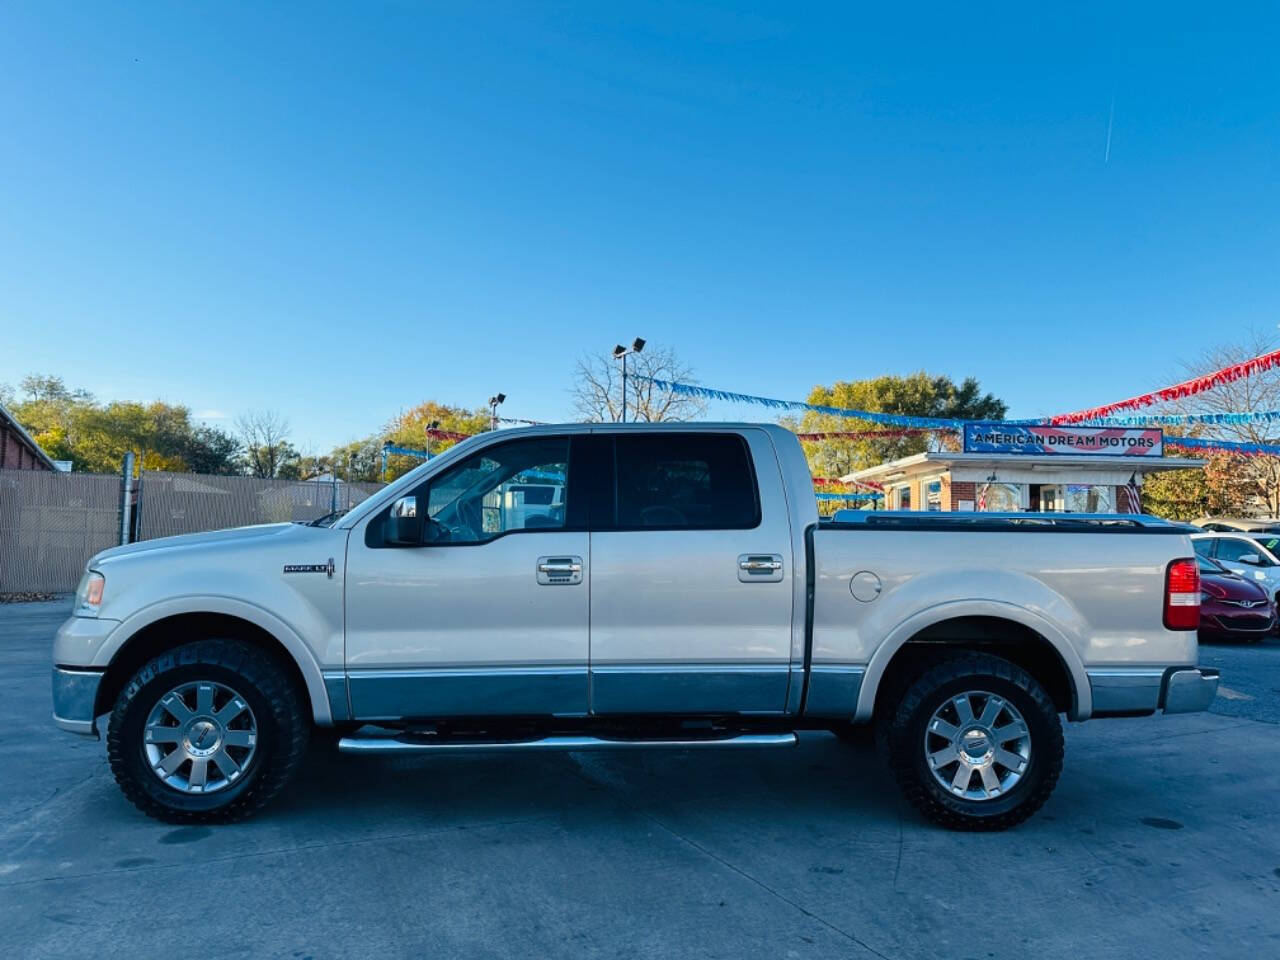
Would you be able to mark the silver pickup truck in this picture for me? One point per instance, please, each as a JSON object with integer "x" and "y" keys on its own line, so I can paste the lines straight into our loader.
{"x": 621, "y": 587}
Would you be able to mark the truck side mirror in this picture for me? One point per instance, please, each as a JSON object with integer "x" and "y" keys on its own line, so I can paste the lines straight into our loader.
{"x": 404, "y": 526}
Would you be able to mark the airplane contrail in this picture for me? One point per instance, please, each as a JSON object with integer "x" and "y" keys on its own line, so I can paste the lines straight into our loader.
{"x": 1110, "y": 122}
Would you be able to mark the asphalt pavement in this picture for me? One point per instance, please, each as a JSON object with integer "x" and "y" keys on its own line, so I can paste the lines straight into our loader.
{"x": 1163, "y": 839}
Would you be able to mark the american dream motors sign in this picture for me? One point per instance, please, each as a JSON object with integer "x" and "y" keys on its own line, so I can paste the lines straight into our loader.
{"x": 1063, "y": 441}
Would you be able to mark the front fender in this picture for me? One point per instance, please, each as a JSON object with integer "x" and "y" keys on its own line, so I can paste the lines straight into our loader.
{"x": 288, "y": 637}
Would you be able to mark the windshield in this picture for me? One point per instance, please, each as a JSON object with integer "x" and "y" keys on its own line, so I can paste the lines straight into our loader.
{"x": 1268, "y": 541}
{"x": 329, "y": 519}
{"x": 1212, "y": 568}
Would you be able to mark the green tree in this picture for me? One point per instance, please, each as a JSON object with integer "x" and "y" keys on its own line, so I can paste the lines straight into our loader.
{"x": 210, "y": 450}
{"x": 359, "y": 461}
{"x": 71, "y": 425}
{"x": 918, "y": 395}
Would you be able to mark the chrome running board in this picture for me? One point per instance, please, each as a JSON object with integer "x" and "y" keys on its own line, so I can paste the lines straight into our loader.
{"x": 396, "y": 744}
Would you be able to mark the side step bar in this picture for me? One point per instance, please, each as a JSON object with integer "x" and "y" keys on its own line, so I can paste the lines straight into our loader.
{"x": 385, "y": 744}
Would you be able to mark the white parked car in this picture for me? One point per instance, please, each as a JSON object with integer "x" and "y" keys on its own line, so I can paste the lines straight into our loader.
{"x": 1237, "y": 525}
{"x": 1254, "y": 556}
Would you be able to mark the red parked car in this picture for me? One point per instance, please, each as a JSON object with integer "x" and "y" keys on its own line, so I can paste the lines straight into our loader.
{"x": 1231, "y": 607}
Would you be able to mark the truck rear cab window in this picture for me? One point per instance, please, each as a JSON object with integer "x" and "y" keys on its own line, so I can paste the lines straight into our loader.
{"x": 694, "y": 481}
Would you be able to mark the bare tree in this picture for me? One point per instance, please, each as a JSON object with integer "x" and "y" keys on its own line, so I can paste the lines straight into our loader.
{"x": 265, "y": 435}
{"x": 597, "y": 389}
{"x": 1260, "y": 476}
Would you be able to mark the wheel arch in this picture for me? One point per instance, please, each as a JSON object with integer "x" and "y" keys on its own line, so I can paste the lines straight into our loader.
{"x": 1003, "y": 629}
{"x": 164, "y": 626}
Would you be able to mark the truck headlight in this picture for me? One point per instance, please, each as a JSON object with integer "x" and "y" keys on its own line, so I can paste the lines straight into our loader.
{"x": 89, "y": 594}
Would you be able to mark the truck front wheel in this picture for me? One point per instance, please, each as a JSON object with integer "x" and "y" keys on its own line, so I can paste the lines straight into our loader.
{"x": 975, "y": 743}
{"x": 207, "y": 732}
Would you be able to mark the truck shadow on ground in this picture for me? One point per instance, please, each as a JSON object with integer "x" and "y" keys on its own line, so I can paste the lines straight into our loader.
{"x": 822, "y": 776}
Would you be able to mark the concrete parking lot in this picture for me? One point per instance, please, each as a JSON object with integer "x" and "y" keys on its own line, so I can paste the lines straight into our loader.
{"x": 1163, "y": 839}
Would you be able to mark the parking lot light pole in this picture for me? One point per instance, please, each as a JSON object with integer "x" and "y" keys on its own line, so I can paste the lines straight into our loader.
{"x": 432, "y": 427}
{"x": 620, "y": 353}
{"x": 494, "y": 401}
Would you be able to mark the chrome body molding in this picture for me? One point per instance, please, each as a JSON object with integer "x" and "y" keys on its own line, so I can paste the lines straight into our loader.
{"x": 1140, "y": 690}
{"x": 1125, "y": 689}
{"x": 833, "y": 690}
{"x": 1190, "y": 690}
{"x": 683, "y": 688}
{"x": 560, "y": 743}
{"x": 557, "y": 691}
{"x": 74, "y": 694}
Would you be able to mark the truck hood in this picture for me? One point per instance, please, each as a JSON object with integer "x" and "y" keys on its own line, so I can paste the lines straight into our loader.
{"x": 236, "y": 536}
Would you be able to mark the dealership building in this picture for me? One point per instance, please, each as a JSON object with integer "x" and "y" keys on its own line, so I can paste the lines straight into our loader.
{"x": 1015, "y": 468}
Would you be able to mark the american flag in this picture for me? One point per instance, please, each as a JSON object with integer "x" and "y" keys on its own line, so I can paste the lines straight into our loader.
{"x": 982, "y": 494}
{"x": 1133, "y": 491}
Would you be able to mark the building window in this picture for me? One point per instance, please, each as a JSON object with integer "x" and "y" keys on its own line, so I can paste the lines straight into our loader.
{"x": 1089, "y": 498}
{"x": 902, "y": 497}
{"x": 933, "y": 494}
{"x": 1000, "y": 497}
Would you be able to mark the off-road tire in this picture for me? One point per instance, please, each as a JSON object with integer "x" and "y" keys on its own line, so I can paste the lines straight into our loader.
{"x": 279, "y": 707}
{"x": 904, "y": 736}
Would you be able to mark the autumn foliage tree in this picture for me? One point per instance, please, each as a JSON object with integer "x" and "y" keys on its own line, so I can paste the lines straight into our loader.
{"x": 418, "y": 428}
{"x": 918, "y": 395}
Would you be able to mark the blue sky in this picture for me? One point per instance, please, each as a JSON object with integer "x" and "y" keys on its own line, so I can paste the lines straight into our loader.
{"x": 337, "y": 211}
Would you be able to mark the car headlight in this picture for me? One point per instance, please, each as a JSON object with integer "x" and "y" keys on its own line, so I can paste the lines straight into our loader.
{"x": 89, "y": 594}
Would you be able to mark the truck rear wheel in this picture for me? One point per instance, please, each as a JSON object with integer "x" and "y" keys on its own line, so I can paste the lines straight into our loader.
{"x": 975, "y": 743}
{"x": 207, "y": 733}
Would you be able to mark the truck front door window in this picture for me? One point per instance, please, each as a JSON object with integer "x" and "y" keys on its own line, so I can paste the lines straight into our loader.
{"x": 516, "y": 486}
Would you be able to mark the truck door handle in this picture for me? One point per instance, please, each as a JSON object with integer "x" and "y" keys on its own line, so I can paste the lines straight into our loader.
{"x": 559, "y": 571}
{"x": 760, "y": 567}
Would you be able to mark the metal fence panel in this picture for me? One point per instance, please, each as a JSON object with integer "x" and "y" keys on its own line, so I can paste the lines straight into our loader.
{"x": 175, "y": 503}
{"x": 50, "y": 524}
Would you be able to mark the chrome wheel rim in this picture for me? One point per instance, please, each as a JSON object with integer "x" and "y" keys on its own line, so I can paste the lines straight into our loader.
{"x": 977, "y": 745}
{"x": 200, "y": 737}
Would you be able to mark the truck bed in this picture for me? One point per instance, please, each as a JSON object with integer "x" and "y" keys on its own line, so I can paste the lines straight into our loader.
{"x": 1091, "y": 585}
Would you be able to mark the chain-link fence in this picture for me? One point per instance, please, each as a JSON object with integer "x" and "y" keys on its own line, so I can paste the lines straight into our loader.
{"x": 173, "y": 503}
{"x": 52, "y": 523}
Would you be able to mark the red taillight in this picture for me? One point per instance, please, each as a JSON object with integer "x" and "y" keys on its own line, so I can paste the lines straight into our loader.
{"x": 1182, "y": 595}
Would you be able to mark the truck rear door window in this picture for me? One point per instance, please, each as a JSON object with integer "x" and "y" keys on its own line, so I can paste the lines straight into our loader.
{"x": 699, "y": 481}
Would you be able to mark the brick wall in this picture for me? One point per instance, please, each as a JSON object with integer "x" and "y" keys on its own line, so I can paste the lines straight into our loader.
{"x": 14, "y": 454}
{"x": 11, "y": 451}
{"x": 963, "y": 491}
